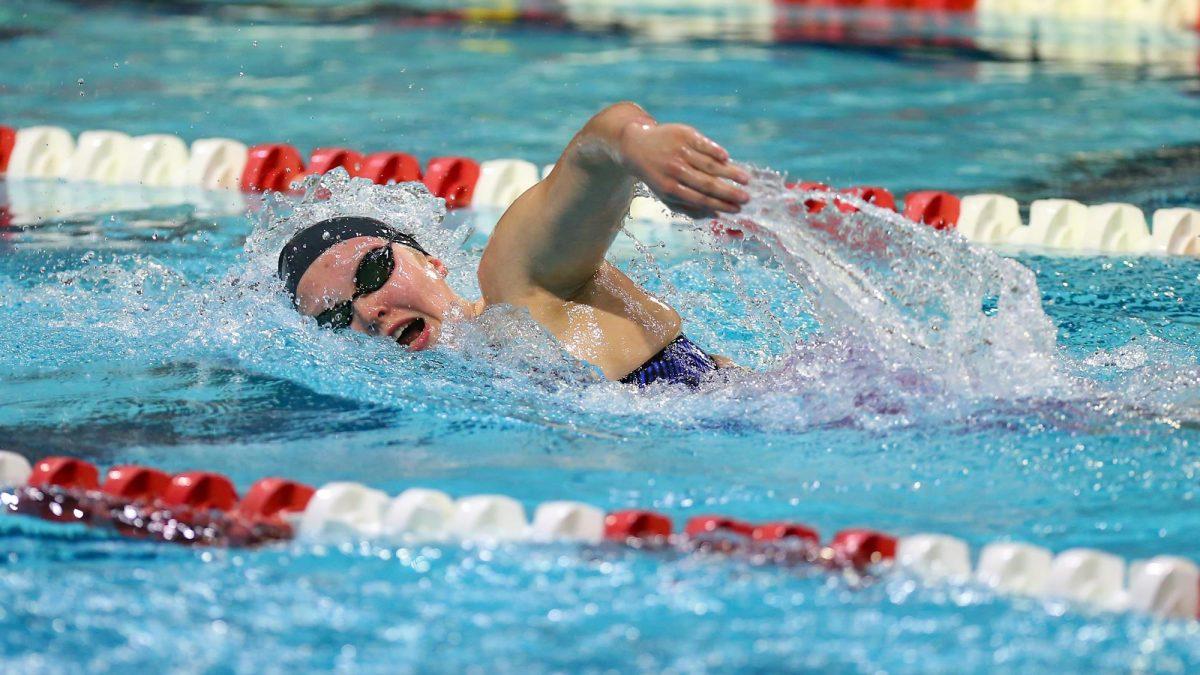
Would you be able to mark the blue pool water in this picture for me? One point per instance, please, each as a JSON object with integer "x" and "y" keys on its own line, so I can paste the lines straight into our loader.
{"x": 156, "y": 337}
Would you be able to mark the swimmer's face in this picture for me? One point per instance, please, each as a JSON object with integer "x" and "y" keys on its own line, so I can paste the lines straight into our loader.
{"x": 410, "y": 307}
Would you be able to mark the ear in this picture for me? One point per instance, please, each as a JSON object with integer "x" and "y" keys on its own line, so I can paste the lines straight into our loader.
{"x": 439, "y": 266}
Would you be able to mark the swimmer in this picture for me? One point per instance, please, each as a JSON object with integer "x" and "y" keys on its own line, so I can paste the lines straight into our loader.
{"x": 547, "y": 254}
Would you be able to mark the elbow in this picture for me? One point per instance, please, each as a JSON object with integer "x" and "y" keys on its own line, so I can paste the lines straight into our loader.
{"x": 615, "y": 117}
{"x": 625, "y": 108}
{"x": 599, "y": 141}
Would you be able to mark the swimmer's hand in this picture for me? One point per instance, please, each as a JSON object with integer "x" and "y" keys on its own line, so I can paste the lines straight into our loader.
{"x": 684, "y": 168}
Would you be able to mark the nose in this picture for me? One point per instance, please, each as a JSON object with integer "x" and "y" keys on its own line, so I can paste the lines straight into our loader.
{"x": 370, "y": 310}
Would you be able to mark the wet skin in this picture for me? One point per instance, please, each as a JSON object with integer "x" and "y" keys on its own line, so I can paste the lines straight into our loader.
{"x": 547, "y": 252}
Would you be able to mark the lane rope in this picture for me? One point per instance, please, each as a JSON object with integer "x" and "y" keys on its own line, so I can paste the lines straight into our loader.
{"x": 204, "y": 509}
{"x": 164, "y": 161}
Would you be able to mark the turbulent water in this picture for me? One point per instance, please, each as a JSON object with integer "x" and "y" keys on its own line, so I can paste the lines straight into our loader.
{"x": 860, "y": 319}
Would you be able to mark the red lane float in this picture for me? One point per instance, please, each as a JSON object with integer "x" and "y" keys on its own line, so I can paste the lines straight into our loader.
{"x": 191, "y": 508}
{"x": 389, "y": 167}
{"x": 270, "y": 497}
{"x": 939, "y": 210}
{"x": 67, "y": 472}
{"x": 136, "y": 483}
{"x": 203, "y": 508}
{"x": 707, "y": 526}
{"x": 861, "y": 548}
{"x": 324, "y": 160}
{"x": 8, "y": 139}
{"x": 638, "y": 525}
{"x": 452, "y": 179}
{"x": 782, "y": 532}
{"x": 869, "y": 194}
{"x": 271, "y": 167}
{"x": 202, "y": 491}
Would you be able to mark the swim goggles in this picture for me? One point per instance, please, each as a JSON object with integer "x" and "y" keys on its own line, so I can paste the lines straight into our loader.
{"x": 373, "y": 271}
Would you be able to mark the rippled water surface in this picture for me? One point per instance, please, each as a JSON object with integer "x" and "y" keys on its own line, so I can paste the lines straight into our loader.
{"x": 898, "y": 377}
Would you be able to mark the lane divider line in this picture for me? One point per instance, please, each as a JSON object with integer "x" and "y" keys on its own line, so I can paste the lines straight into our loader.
{"x": 203, "y": 508}
{"x": 162, "y": 160}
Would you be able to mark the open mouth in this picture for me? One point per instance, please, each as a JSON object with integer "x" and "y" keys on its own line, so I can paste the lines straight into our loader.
{"x": 411, "y": 332}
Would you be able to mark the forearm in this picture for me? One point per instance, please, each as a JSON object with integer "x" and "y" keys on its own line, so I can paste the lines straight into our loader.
{"x": 555, "y": 235}
{"x": 561, "y": 228}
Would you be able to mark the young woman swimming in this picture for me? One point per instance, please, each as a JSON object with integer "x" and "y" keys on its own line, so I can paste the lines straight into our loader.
{"x": 546, "y": 255}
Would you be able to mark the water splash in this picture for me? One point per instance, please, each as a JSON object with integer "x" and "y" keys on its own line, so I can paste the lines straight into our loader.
{"x": 901, "y": 303}
{"x": 858, "y": 319}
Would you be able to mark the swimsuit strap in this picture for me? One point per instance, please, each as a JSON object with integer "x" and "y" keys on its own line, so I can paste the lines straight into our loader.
{"x": 680, "y": 362}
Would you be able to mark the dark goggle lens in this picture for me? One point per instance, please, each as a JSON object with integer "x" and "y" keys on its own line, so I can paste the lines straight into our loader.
{"x": 374, "y": 270}
{"x": 337, "y": 317}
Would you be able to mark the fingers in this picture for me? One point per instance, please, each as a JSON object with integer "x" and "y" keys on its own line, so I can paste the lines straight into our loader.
{"x": 715, "y": 188}
{"x": 706, "y": 146}
{"x": 697, "y": 204}
{"x": 712, "y": 167}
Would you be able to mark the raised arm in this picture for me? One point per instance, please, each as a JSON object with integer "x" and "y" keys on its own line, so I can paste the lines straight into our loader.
{"x": 555, "y": 236}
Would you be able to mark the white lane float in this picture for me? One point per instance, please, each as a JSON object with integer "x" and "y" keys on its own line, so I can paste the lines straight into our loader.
{"x": 501, "y": 181}
{"x": 1176, "y": 232}
{"x": 100, "y": 157}
{"x": 546, "y": 170}
{"x": 14, "y": 469}
{"x": 216, "y": 164}
{"x": 1054, "y": 223}
{"x": 157, "y": 160}
{"x": 419, "y": 514}
{"x": 1088, "y": 576}
{"x": 489, "y": 518}
{"x": 1165, "y": 586}
{"x": 567, "y": 521}
{"x": 934, "y": 557}
{"x": 41, "y": 152}
{"x": 1014, "y": 568}
{"x": 1116, "y": 228}
{"x": 989, "y": 218}
{"x": 343, "y": 511}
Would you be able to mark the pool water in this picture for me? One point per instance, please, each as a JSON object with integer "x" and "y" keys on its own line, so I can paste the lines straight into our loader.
{"x": 156, "y": 336}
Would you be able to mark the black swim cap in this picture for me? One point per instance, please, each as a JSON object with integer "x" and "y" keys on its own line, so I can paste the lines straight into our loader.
{"x": 303, "y": 249}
